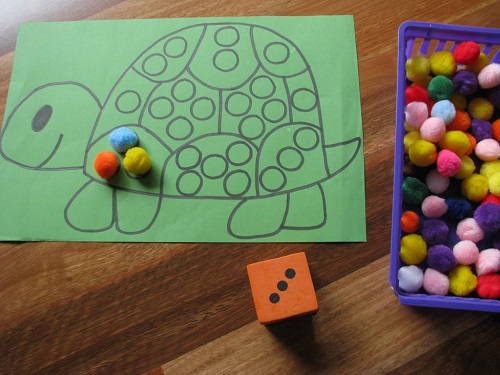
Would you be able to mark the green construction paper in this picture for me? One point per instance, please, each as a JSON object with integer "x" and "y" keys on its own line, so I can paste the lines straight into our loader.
{"x": 253, "y": 126}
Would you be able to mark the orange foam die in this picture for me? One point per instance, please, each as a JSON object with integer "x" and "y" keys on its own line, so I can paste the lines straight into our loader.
{"x": 282, "y": 288}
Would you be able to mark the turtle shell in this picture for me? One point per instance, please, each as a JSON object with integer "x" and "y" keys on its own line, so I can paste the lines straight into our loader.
{"x": 225, "y": 110}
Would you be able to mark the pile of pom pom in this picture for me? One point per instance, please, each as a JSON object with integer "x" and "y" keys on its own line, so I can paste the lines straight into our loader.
{"x": 450, "y": 226}
{"x": 136, "y": 160}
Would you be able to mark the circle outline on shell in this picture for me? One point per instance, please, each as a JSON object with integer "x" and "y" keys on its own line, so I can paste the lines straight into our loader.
{"x": 198, "y": 161}
{"x": 226, "y": 28}
{"x": 237, "y": 171}
{"x": 284, "y": 60}
{"x": 178, "y": 55}
{"x": 169, "y": 125}
{"x": 268, "y": 103}
{"x": 148, "y": 58}
{"x": 226, "y": 70}
{"x": 240, "y": 125}
{"x": 203, "y": 172}
{"x": 197, "y": 100}
{"x": 191, "y": 172}
{"x": 161, "y": 117}
{"x": 287, "y": 168}
{"x": 306, "y": 90}
{"x": 250, "y": 154}
{"x": 176, "y": 84}
{"x": 273, "y": 91}
{"x": 305, "y": 128}
{"x": 261, "y": 179}
{"x": 226, "y": 105}
{"x": 139, "y": 101}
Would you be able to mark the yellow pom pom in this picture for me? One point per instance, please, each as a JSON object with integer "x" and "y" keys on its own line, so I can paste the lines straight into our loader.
{"x": 468, "y": 168}
{"x": 137, "y": 161}
{"x": 422, "y": 153}
{"x": 480, "y": 108}
{"x": 410, "y": 138}
{"x": 413, "y": 249}
{"x": 494, "y": 184}
{"x": 489, "y": 168}
{"x": 417, "y": 68}
{"x": 462, "y": 281}
{"x": 456, "y": 141}
{"x": 479, "y": 64}
{"x": 443, "y": 63}
{"x": 409, "y": 128}
{"x": 459, "y": 101}
{"x": 475, "y": 187}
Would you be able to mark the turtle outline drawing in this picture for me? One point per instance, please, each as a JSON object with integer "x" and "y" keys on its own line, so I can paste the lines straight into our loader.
{"x": 265, "y": 111}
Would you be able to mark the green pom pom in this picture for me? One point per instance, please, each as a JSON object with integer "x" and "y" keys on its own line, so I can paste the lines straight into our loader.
{"x": 440, "y": 88}
{"x": 414, "y": 191}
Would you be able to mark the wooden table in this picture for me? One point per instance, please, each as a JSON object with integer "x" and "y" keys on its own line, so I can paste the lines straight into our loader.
{"x": 157, "y": 308}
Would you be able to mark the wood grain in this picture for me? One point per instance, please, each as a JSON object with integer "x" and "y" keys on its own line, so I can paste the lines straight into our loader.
{"x": 85, "y": 308}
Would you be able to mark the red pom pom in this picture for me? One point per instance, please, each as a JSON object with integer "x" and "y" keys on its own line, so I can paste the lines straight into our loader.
{"x": 488, "y": 286}
{"x": 416, "y": 93}
{"x": 490, "y": 198}
{"x": 106, "y": 164}
{"x": 466, "y": 53}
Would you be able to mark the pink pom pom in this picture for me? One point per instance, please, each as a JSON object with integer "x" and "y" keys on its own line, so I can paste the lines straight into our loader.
{"x": 434, "y": 206}
{"x": 469, "y": 229}
{"x": 487, "y": 150}
{"x": 435, "y": 282}
{"x": 416, "y": 113}
{"x": 448, "y": 163}
{"x": 488, "y": 261}
{"x": 433, "y": 129}
{"x": 489, "y": 76}
{"x": 466, "y": 252}
{"x": 436, "y": 182}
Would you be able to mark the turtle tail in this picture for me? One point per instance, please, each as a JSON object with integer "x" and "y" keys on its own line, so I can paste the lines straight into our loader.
{"x": 340, "y": 155}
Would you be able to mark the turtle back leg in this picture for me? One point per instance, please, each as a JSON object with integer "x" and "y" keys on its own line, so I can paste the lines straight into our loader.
{"x": 258, "y": 217}
{"x": 306, "y": 209}
{"x": 302, "y": 209}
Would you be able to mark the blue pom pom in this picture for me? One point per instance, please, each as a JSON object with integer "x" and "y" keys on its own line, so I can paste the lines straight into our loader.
{"x": 458, "y": 208}
{"x": 444, "y": 109}
{"x": 122, "y": 139}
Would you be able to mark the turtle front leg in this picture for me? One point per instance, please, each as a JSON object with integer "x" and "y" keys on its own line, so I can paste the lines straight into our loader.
{"x": 91, "y": 208}
{"x": 98, "y": 207}
{"x": 136, "y": 212}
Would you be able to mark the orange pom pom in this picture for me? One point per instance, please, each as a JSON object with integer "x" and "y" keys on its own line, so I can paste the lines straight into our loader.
{"x": 495, "y": 130}
{"x": 473, "y": 143}
{"x": 106, "y": 164}
{"x": 409, "y": 222}
{"x": 461, "y": 122}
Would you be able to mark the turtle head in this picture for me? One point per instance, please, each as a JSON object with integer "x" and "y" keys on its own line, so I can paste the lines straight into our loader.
{"x": 49, "y": 128}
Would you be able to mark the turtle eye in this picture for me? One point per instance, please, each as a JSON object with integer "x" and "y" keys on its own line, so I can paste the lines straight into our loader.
{"x": 41, "y": 118}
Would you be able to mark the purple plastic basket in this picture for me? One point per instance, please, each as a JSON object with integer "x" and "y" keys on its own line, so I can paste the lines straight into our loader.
{"x": 425, "y": 38}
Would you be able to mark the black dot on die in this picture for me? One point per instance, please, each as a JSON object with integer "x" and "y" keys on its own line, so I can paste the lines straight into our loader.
{"x": 290, "y": 273}
{"x": 274, "y": 298}
{"x": 282, "y": 285}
